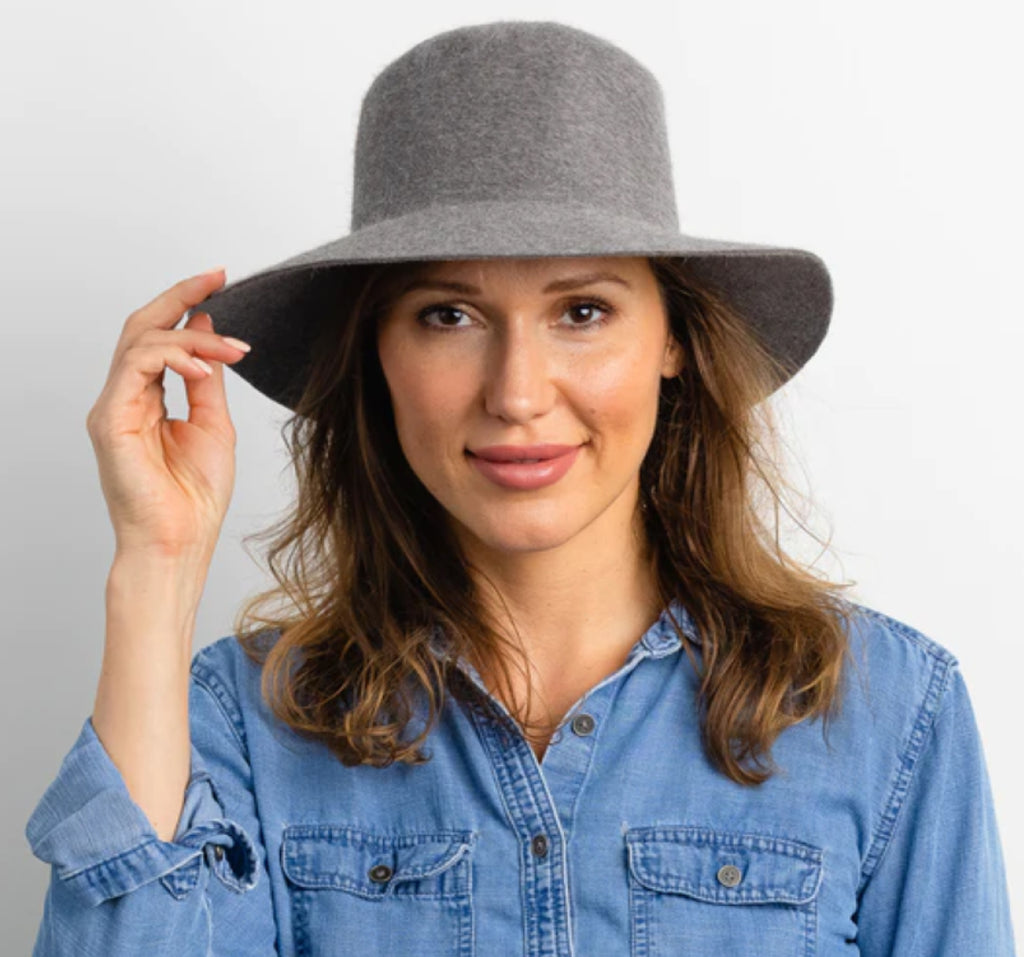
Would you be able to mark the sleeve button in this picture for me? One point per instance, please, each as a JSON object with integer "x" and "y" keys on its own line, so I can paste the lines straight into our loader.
{"x": 218, "y": 851}
{"x": 380, "y": 873}
{"x": 729, "y": 875}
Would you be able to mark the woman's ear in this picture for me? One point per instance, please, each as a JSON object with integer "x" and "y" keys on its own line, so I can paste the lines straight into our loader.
{"x": 673, "y": 363}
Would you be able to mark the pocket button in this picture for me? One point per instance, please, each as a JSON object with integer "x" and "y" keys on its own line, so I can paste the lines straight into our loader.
{"x": 729, "y": 875}
{"x": 380, "y": 873}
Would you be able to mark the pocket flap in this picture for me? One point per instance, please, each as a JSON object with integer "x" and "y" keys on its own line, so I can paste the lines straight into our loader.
{"x": 724, "y": 867}
{"x": 366, "y": 863}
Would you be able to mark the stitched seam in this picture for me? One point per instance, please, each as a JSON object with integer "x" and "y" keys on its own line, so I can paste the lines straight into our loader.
{"x": 209, "y": 680}
{"x": 693, "y": 835}
{"x": 487, "y": 734}
{"x": 811, "y": 928}
{"x": 131, "y": 852}
{"x": 922, "y": 641}
{"x": 918, "y": 740}
{"x": 621, "y": 677}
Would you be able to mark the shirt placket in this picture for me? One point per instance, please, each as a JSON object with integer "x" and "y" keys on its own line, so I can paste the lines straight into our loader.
{"x": 541, "y": 801}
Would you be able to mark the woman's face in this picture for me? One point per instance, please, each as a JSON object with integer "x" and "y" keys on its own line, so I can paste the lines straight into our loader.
{"x": 518, "y": 352}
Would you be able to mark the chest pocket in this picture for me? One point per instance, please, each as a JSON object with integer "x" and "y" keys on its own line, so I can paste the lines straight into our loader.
{"x": 696, "y": 890}
{"x": 358, "y": 891}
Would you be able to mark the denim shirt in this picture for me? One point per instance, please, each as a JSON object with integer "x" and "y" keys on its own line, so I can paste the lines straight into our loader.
{"x": 623, "y": 840}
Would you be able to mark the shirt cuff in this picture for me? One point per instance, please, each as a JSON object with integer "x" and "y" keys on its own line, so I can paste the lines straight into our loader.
{"x": 102, "y": 844}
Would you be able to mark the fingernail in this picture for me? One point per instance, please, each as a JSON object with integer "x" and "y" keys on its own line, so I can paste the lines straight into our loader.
{"x": 237, "y": 343}
{"x": 210, "y": 272}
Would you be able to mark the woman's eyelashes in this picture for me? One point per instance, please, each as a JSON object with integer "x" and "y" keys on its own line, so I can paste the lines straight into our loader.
{"x": 594, "y": 312}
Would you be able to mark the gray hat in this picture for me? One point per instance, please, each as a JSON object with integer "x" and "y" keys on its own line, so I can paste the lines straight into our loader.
{"x": 513, "y": 138}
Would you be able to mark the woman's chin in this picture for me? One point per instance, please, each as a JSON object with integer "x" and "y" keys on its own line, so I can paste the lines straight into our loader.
{"x": 529, "y": 534}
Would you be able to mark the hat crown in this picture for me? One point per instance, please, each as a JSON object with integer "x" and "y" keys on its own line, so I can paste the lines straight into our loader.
{"x": 511, "y": 111}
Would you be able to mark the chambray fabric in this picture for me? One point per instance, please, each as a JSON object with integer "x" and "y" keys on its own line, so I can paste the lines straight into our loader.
{"x": 624, "y": 840}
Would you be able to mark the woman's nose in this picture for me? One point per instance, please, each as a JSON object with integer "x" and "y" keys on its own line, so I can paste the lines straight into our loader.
{"x": 517, "y": 377}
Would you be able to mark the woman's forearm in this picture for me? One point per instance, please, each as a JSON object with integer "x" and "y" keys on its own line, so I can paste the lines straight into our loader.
{"x": 141, "y": 709}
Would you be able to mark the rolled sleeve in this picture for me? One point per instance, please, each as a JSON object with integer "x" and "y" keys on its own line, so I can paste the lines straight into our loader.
{"x": 117, "y": 889}
{"x": 102, "y": 844}
{"x": 939, "y": 887}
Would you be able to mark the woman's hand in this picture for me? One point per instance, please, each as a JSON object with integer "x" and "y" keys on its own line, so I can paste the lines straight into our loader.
{"x": 167, "y": 482}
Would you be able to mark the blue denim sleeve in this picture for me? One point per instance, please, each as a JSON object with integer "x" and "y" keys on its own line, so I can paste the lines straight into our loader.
{"x": 117, "y": 889}
{"x": 938, "y": 888}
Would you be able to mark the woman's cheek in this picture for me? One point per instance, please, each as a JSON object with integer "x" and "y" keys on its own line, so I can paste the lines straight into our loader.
{"x": 619, "y": 389}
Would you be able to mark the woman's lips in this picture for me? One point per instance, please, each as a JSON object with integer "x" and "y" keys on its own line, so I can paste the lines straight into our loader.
{"x": 526, "y": 475}
{"x": 516, "y": 453}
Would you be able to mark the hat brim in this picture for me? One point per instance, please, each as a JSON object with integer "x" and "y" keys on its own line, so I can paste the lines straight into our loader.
{"x": 784, "y": 293}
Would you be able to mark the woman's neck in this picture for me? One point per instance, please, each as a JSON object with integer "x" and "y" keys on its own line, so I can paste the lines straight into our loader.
{"x": 578, "y": 609}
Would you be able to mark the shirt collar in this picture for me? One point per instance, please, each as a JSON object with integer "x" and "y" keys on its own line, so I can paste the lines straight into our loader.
{"x": 659, "y": 640}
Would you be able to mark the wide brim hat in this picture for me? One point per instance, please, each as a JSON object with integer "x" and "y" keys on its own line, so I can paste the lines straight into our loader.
{"x": 513, "y": 139}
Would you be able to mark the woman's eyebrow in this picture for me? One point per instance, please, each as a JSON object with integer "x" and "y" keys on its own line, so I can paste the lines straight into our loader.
{"x": 559, "y": 285}
{"x": 574, "y": 282}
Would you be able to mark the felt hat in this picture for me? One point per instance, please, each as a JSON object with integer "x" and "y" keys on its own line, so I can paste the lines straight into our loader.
{"x": 522, "y": 139}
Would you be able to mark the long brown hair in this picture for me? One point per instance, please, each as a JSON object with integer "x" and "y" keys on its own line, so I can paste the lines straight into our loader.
{"x": 368, "y": 569}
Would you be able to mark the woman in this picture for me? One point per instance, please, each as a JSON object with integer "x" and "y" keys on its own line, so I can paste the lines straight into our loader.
{"x": 577, "y": 705}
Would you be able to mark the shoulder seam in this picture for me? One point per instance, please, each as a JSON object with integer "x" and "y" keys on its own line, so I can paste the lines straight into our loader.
{"x": 945, "y": 666}
{"x": 922, "y": 641}
{"x": 207, "y": 678}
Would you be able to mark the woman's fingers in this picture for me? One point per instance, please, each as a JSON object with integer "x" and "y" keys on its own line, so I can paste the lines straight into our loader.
{"x": 165, "y": 310}
{"x": 184, "y": 294}
{"x": 207, "y": 399}
{"x": 166, "y": 481}
{"x": 132, "y": 398}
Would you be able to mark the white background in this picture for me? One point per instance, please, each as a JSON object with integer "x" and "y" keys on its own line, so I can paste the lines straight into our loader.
{"x": 144, "y": 142}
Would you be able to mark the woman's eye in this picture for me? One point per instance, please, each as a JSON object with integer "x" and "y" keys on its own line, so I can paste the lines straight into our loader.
{"x": 586, "y": 315}
{"x": 442, "y": 311}
{"x": 587, "y": 310}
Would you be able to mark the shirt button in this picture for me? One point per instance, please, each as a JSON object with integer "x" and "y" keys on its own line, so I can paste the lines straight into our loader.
{"x": 583, "y": 724}
{"x": 539, "y": 845}
{"x": 218, "y": 851}
{"x": 380, "y": 873}
{"x": 729, "y": 875}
